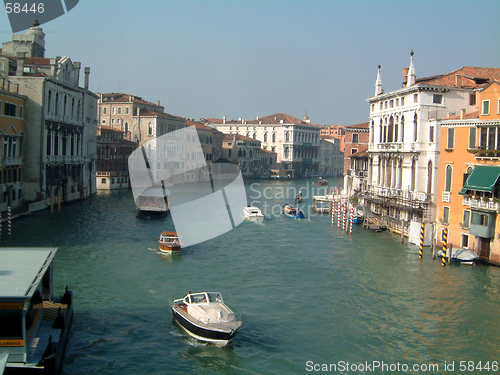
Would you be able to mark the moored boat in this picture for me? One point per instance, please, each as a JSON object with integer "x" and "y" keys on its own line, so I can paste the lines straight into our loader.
{"x": 205, "y": 317}
{"x": 253, "y": 213}
{"x": 293, "y": 212}
{"x": 34, "y": 324}
{"x": 462, "y": 256}
{"x": 322, "y": 182}
{"x": 169, "y": 242}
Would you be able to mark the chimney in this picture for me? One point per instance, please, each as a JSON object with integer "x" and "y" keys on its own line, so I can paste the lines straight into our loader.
{"x": 458, "y": 80}
{"x": 462, "y": 113}
{"x": 20, "y": 64}
{"x": 224, "y": 120}
{"x": 405, "y": 76}
{"x": 77, "y": 67}
{"x": 87, "y": 74}
{"x": 158, "y": 103}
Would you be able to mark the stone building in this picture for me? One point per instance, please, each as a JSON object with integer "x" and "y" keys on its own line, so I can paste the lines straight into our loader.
{"x": 112, "y": 159}
{"x": 355, "y": 158}
{"x": 404, "y": 140}
{"x": 12, "y": 107}
{"x": 59, "y": 150}
{"x": 139, "y": 120}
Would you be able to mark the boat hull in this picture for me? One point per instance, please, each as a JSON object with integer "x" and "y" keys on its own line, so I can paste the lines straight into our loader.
{"x": 219, "y": 337}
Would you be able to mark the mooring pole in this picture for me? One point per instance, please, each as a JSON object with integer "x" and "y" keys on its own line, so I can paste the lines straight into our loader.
{"x": 445, "y": 246}
{"x": 421, "y": 249}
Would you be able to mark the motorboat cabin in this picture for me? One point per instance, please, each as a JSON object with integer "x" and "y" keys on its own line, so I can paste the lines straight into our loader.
{"x": 169, "y": 242}
{"x": 253, "y": 213}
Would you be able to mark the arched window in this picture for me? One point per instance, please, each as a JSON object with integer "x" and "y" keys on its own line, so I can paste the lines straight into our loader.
{"x": 49, "y": 101}
{"x": 413, "y": 175}
{"x": 265, "y": 137}
{"x": 391, "y": 130}
{"x": 447, "y": 183}
{"x": 150, "y": 129}
{"x": 274, "y": 137}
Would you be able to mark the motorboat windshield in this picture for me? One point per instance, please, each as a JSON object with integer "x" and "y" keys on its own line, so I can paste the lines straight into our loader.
{"x": 203, "y": 298}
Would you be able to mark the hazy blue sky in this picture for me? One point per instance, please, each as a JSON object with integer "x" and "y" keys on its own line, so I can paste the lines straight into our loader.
{"x": 255, "y": 58}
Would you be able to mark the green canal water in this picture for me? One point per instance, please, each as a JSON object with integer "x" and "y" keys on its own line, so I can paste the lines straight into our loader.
{"x": 310, "y": 295}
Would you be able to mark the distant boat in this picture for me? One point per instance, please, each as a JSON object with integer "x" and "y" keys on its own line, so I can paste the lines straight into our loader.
{"x": 151, "y": 203}
{"x": 169, "y": 242}
{"x": 462, "y": 256}
{"x": 322, "y": 182}
{"x": 205, "y": 317}
{"x": 292, "y": 212}
{"x": 253, "y": 213}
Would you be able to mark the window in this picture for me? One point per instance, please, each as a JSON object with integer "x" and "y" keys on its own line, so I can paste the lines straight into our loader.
{"x": 415, "y": 128}
{"x": 472, "y": 138}
{"x": 446, "y": 215}
{"x": 448, "y": 176}
{"x": 479, "y": 219}
{"x": 472, "y": 99}
{"x": 21, "y": 111}
{"x": 113, "y": 110}
{"x": 150, "y": 129}
{"x": 466, "y": 219}
{"x": 103, "y": 180}
{"x": 415, "y": 98}
{"x": 355, "y": 138}
{"x": 10, "y": 109}
{"x": 127, "y": 109}
{"x": 486, "y": 107}
{"x": 431, "y": 134}
{"x": 119, "y": 110}
{"x": 104, "y": 110}
{"x": 465, "y": 241}
{"x": 437, "y": 99}
{"x": 451, "y": 138}
{"x": 353, "y": 151}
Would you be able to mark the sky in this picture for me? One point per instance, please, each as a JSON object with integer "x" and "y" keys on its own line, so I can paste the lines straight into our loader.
{"x": 243, "y": 59}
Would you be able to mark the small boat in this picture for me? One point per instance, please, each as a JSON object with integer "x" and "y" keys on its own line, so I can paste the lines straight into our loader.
{"x": 153, "y": 202}
{"x": 462, "y": 256}
{"x": 169, "y": 242}
{"x": 205, "y": 317}
{"x": 357, "y": 219}
{"x": 322, "y": 182}
{"x": 321, "y": 203}
{"x": 294, "y": 213}
{"x": 253, "y": 213}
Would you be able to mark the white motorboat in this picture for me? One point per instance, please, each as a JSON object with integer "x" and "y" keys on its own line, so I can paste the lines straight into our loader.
{"x": 253, "y": 213}
{"x": 205, "y": 317}
{"x": 462, "y": 256}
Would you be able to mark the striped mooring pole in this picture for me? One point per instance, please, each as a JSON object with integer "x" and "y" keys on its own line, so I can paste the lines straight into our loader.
{"x": 445, "y": 246}
{"x": 338, "y": 214}
{"x": 332, "y": 210}
{"x": 352, "y": 217}
{"x": 344, "y": 215}
{"x": 9, "y": 221}
{"x": 421, "y": 248}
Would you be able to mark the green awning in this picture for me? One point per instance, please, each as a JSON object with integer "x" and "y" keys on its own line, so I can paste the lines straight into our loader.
{"x": 482, "y": 178}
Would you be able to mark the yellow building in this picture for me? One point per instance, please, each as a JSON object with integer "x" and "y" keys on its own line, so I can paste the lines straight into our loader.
{"x": 11, "y": 144}
{"x": 469, "y": 183}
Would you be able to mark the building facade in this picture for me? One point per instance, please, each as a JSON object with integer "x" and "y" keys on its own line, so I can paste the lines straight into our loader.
{"x": 335, "y": 131}
{"x": 296, "y": 142}
{"x": 112, "y": 159}
{"x": 139, "y": 120}
{"x": 331, "y": 159}
{"x": 59, "y": 150}
{"x": 404, "y": 139}
{"x": 12, "y": 107}
{"x": 355, "y": 158}
{"x": 469, "y": 185}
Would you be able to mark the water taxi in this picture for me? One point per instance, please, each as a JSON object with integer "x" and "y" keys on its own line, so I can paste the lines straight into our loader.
{"x": 34, "y": 324}
{"x": 253, "y": 213}
{"x": 169, "y": 242}
{"x": 205, "y": 317}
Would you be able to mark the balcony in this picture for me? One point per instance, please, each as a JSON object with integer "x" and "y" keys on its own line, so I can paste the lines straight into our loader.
{"x": 446, "y": 197}
{"x": 477, "y": 202}
{"x": 6, "y": 162}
